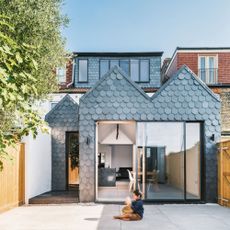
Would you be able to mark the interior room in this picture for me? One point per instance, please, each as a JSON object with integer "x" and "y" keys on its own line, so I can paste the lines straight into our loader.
{"x": 161, "y": 159}
{"x": 115, "y": 160}
{"x": 171, "y": 151}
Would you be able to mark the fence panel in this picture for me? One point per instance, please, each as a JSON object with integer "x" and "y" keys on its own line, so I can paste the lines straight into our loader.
{"x": 224, "y": 173}
{"x": 12, "y": 179}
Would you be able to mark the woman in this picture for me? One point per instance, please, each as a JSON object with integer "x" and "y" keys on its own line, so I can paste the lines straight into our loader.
{"x": 137, "y": 209}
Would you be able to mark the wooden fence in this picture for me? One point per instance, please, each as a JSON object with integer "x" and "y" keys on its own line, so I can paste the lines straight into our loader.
{"x": 224, "y": 173}
{"x": 12, "y": 179}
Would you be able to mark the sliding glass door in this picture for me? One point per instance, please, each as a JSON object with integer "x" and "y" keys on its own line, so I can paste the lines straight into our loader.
{"x": 169, "y": 160}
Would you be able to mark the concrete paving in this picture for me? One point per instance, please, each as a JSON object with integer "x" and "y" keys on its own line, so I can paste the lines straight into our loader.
{"x": 99, "y": 217}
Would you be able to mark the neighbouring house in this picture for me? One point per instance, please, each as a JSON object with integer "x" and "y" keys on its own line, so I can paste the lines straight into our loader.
{"x": 116, "y": 128}
{"x": 212, "y": 66}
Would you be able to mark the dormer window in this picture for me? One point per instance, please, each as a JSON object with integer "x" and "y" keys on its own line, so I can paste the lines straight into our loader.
{"x": 208, "y": 69}
{"x": 61, "y": 74}
{"x": 137, "y": 69}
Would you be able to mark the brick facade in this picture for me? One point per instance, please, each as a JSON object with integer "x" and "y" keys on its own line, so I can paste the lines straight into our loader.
{"x": 191, "y": 60}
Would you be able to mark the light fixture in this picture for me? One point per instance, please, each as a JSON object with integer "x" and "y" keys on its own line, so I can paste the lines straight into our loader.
{"x": 88, "y": 140}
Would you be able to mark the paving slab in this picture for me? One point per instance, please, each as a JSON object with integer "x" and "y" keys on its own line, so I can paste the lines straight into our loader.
{"x": 100, "y": 217}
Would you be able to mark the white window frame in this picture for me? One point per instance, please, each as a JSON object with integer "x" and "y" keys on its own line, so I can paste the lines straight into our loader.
{"x": 207, "y": 77}
{"x": 61, "y": 78}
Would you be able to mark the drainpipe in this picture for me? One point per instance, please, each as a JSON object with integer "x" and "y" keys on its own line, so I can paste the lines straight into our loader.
{"x": 73, "y": 70}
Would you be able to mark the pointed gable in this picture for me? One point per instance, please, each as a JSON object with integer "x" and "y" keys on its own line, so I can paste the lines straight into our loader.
{"x": 185, "y": 97}
{"x": 65, "y": 111}
{"x": 114, "y": 97}
{"x": 115, "y": 78}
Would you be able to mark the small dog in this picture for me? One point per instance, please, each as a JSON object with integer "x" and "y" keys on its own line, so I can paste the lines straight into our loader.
{"x": 127, "y": 208}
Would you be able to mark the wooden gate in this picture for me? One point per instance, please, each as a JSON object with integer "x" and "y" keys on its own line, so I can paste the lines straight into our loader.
{"x": 224, "y": 173}
{"x": 12, "y": 179}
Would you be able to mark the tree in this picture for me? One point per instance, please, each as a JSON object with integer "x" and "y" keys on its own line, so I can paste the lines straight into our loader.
{"x": 30, "y": 47}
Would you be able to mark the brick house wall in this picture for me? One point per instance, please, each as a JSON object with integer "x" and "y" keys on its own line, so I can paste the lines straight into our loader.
{"x": 69, "y": 72}
{"x": 191, "y": 60}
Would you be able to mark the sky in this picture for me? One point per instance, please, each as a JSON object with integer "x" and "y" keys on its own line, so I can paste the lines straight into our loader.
{"x": 145, "y": 25}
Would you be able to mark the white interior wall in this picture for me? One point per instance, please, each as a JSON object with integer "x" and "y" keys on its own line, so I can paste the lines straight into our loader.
{"x": 37, "y": 165}
{"x": 121, "y": 156}
{"x": 107, "y": 150}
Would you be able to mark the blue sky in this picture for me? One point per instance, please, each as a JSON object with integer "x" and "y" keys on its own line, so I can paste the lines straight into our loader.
{"x": 146, "y": 25}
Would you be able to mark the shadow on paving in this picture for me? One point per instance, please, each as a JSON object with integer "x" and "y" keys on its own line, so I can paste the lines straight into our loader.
{"x": 169, "y": 217}
{"x": 107, "y": 222}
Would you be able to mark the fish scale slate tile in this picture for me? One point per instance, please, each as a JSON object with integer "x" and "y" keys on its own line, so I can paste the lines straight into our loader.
{"x": 115, "y": 97}
{"x": 60, "y": 122}
{"x": 175, "y": 101}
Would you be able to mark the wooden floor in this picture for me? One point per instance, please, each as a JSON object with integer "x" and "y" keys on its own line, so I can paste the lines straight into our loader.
{"x": 57, "y": 197}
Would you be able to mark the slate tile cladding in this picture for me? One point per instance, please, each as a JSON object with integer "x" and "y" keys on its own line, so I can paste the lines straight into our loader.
{"x": 94, "y": 70}
{"x": 62, "y": 118}
{"x": 115, "y": 97}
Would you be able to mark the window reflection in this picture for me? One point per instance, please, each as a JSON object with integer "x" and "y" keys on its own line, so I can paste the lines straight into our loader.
{"x": 193, "y": 160}
{"x": 163, "y": 143}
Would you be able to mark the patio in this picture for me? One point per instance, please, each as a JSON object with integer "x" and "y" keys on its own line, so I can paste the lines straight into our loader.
{"x": 99, "y": 217}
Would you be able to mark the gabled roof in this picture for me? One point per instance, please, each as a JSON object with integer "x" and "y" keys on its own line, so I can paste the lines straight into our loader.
{"x": 117, "y": 70}
{"x": 59, "y": 105}
{"x": 192, "y": 75}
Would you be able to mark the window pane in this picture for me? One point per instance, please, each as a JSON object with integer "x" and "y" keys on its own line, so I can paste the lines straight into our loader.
{"x": 60, "y": 72}
{"x": 104, "y": 67}
{"x": 202, "y": 69}
{"x": 124, "y": 64}
{"x": 113, "y": 63}
{"x": 144, "y": 65}
{"x": 134, "y": 68}
{"x": 193, "y": 160}
{"x": 83, "y": 70}
{"x": 163, "y": 149}
{"x": 211, "y": 70}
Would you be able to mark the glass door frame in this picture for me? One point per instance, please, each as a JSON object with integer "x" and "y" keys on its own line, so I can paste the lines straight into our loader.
{"x": 201, "y": 165}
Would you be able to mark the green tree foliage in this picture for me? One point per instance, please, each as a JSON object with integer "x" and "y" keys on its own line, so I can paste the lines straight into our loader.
{"x": 30, "y": 47}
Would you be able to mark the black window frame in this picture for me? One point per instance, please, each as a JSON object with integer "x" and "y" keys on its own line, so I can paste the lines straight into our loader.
{"x": 87, "y": 75}
{"x": 129, "y": 61}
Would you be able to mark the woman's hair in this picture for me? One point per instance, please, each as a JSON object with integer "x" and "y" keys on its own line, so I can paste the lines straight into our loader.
{"x": 137, "y": 193}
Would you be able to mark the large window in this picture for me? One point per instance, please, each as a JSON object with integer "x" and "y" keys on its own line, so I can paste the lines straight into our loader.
{"x": 137, "y": 69}
{"x": 208, "y": 69}
{"x": 193, "y": 147}
{"x": 169, "y": 159}
{"x": 83, "y": 70}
